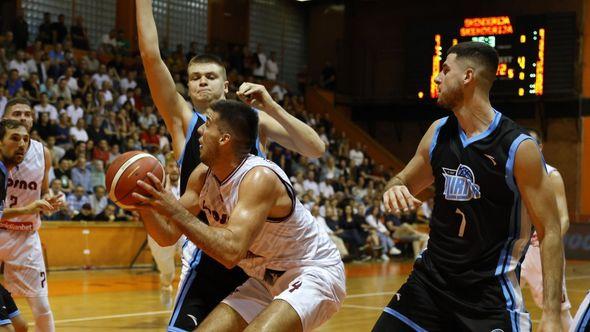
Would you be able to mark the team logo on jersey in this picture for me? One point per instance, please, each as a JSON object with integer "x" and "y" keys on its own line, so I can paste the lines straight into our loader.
{"x": 460, "y": 184}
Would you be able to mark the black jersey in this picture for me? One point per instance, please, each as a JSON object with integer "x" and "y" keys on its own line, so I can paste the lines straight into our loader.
{"x": 3, "y": 186}
{"x": 191, "y": 157}
{"x": 480, "y": 229}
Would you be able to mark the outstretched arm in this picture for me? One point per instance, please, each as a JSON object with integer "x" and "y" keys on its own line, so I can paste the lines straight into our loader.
{"x": 535, "y": 187}
{"x": 173, "y": 108}
{"x": 278, "y": 125}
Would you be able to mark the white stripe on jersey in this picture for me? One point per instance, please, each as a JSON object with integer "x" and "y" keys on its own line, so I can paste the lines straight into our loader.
{"x": 24, "y": 187}
{"x": 281, "y": 245}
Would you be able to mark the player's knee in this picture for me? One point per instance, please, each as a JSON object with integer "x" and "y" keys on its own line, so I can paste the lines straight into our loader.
{"x": 7, "y": 328}
{"x": 39, "y": 306}
{"x": 19, "y": 324}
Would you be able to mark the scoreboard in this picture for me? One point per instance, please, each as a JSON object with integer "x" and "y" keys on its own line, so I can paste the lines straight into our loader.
{"x": 522, "y": 42}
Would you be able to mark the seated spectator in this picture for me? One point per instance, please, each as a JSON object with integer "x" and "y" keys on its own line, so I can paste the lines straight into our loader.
{"x": 14, "y": 83}
{"x": 71, "y": 81}
{"x": 108, "y": 42}
{"x": 78, "y": 133}
{"x": 124, "y": 98}
{"x": 377, "y": 227}
{"x": 92, "y": 62}
{"x": 98, "y": 200}
{"x": 56, "y": 152}
{"x": 62, "y": 138}
{"x": 128, "y": 82}
{"x": 63, "y": 91}
{"x": 280, "y": 91}
{"x": 63, "y": 173}
{"x": 19, "y": 63}
{"x": 108, "y": 214}
{"x": 150, "y": 138}
{"x": 45, "y": 107}
{"x": 147, "y": 118}
{"x": 353, "y": 234}
{"x": 114, "y": 153}
{"x": 85, "y": 213}
{"x": 79, "y": 35}
{"x": 81, "y": 174}
{"x": 311, "y": 184}
{"x": 404, "y": 231}
{"x": 101, "y": 152}
{"x": 75, "y": 111}
{"x": 107, "y": 92}
{"x": 96, "y": 131}
{"x": 77, "y": 199}
{"x": 31, "y": 87}
{"x": 79, "y": 150}
{"x": 100, "y": 77}
{"x": 324, "y": 227}
{"x": 44, "y": 127}
{"x": 50, "y": 89}
{"x": 97, "y": 173}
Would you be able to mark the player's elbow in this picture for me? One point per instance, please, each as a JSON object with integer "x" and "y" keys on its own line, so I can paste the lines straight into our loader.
{"x": 232, "y": 258}
{"x": 149, "y": 54}
{"x": 317, "y": 149}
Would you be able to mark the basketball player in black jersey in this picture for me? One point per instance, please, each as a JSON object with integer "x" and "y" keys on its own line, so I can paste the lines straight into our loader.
{"x": 14, "y": 141}
{"x": 205, "y": 282}
{"x": 487, "y": 175}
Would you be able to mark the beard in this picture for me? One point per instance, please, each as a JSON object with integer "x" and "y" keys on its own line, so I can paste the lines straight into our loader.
{"x": 450, "y": 98}
{"x": 11, "y": 161}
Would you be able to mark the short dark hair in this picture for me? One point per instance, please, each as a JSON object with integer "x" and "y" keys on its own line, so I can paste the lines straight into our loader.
{"x": 240, "y": 120}
{"x": 207, "y": 58}
{"x": 482, "y": 54}
{"x": 16, "y": 101}
{"x": 9, "y": 124}
{"x": 536, "y": 133}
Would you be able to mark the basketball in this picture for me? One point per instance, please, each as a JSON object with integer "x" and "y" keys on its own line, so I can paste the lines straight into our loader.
{"x": 123, "y": 173}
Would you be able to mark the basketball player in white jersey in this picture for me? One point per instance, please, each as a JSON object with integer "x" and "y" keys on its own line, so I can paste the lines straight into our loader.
{"x": 14, "y": 140}
{"x": 532, "y": 272}
{"x": 581, "y": 321}
{"x": 164, "y": 256}
{"x": 255, "y": 221}
{"x": 201, "y": 279}
{"x": 20, "y": 245}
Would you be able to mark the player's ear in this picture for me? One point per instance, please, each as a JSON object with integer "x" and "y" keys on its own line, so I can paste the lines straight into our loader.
{"x": 468, "y": 75}
{"x": 226, "y": 86}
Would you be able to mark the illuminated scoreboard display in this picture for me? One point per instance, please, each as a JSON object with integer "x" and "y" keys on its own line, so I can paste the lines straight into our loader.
{"x": 522, "y": 44}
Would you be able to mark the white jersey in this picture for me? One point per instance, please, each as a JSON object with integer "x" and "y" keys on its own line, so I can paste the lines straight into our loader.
{"x": 24, "y": 187}
{"x": 282, "y": 244}
{"x": 550, "y": 169}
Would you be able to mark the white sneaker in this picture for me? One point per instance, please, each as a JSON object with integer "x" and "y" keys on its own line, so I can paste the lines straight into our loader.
{"x": 394, "y": 251}
{"x": 385, "y": 258}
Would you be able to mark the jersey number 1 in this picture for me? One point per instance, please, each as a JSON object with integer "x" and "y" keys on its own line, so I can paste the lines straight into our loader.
{"x": 463, "y": 222}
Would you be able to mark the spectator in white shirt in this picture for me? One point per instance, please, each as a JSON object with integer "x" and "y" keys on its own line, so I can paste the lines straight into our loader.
{"x": 98, "y": 200}
{"x": 72, "y": 82}
{"x": 147, "y": 118}
{"x": 20, "y": 65}
{"x": 280, "y": 91}
{"x": 326, "y": 188}
{"x": 356, "y": 155}
{"x": 3, "y": 100}
{"x": 128, "y": 82}
{"x": 101, "y": 76}
{"x": 324, "y": 227}
{"x": 106, "y": 92}
{"x": 271, "y": 67}
{"x": 125, "y": 97}
{"x": 310, "y": 184}
{"x": 259, "y": 70}
{"x": 45, "y": 107}
{"x": 78, "y": 133}
{"x": 75, "y": 111}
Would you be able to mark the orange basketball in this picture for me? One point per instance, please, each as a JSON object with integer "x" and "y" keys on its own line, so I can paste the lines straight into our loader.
{"x": 123, "y": 173}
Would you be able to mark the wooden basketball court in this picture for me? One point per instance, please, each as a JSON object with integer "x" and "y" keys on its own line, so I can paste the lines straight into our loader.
{"x": 129, "y": 300}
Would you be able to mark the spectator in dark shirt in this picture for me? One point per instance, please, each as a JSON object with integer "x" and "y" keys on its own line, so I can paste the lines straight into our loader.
{"x": 20, "y": 29}
{"x": 85, "y": 213}
{"x": 79, "y": 35}
{"x": 45, "y": 34}
{"x": 108, "y": 214}
{"x": 14, "y": 82}
{"x": 59, "y": 29}
{"x": 44, "y": 127}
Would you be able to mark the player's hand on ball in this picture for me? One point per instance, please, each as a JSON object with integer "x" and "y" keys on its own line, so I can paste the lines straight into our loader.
{"x": 160, "y": 199}
{"x": 255, "y": 95}
{"x": 398, "y": 200}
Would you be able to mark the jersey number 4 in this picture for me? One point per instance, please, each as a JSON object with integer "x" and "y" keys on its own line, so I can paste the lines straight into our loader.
{"x": 463, "y": 222}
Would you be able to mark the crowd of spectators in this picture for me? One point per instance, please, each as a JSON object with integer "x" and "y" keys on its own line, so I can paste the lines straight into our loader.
{"x": 91, "y": 106}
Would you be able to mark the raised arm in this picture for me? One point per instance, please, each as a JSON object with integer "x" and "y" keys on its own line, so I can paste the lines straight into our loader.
{"x": 278, "y": 125}
{"x": 415, "y": 177}
{"x": 174, "y": 110}
{"x": 537, "y": 193}
{"x": 559, "y": 189}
